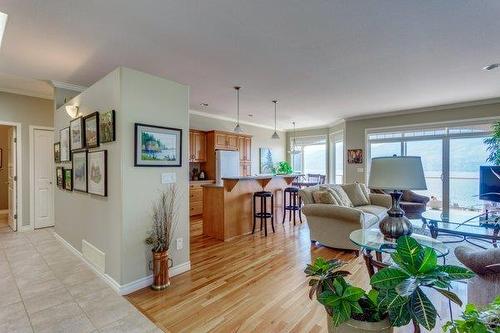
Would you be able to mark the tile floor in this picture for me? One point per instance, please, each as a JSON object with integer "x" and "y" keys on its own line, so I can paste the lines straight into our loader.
{"x": 44, "y": 287}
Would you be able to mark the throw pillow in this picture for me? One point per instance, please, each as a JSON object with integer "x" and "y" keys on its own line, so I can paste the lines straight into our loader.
{"x": 366, "y": 192}
{"x": 324, "y": 197}
{"x": 355, "y": 194}
{"x": 340, "y": 195}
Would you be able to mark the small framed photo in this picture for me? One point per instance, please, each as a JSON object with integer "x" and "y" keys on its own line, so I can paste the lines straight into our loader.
{"x": 80, "y": 171}
{"x": 91, "y": 125}
{"x": 157, "y": 146}
{"x": 98, "y": 173}
{"x": 65, "y": 148}
{"x": 68, "y": 179}
{"x": 355, "y": 156}
{"x": 57, "y": 152}
{"x": 107, "y": 126}
{"x": 77, "y": 137}
{"x": 60, "y": 177}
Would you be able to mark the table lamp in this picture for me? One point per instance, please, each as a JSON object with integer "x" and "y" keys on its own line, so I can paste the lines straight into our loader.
{"x": 396, "y": 174}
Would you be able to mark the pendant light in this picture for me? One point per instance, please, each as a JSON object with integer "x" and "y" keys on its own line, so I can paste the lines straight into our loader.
{"x": 237, "y": 129}
{"x": 275, "y": 134}
{"x": 293, "y": 148}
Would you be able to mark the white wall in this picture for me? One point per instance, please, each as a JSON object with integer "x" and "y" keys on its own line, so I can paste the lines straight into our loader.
{"x": 81, "y": 216}
{"x": 28, "y": 111}
{"x": 261, "y": 137}
{"x": 151, "y": 100}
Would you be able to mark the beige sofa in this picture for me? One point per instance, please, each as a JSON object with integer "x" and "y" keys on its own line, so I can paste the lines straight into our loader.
{"x": 331, "y": 224}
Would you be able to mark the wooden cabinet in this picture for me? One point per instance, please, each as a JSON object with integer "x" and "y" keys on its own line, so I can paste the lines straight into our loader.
{"x": 196, "y": 197}
{"x": 245, "y": 168}
{"x": 245, "y": 148}
{"x": 225, "y": 141}
{"x": 197, "y": 146}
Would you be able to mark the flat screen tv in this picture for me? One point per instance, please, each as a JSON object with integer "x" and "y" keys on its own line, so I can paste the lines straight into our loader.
{"x": 489, "y": 183}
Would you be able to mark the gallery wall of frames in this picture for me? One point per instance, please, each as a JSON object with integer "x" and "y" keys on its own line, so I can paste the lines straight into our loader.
{"x": 79, "y": 146}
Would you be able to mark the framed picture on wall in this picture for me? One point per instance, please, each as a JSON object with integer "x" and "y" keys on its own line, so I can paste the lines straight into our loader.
{"x": 76, "y": 134}
{"x": 65, "y": 145}
{"x": 57, "y": 152}
{"x": 107, "y": 126}
{"x": 91, "y": 126}
{"x": 157, "y": 146}
{"x": 68, "y": 179}
{"x": 355, "y": 156}
{"x": 60, "y": 177}
{"x": 80, "y": 171}
{"x": 97, "y": 169}
{"x": 266, "y": 163}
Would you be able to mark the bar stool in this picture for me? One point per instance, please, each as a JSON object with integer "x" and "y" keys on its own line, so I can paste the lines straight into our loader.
{"x": 263, "y": 214}
{"x": 294, "y": 204}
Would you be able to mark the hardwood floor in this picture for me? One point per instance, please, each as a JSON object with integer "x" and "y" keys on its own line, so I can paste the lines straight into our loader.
{"x": 251, "y": 284}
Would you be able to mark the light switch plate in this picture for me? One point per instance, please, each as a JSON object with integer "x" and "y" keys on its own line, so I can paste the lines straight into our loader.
{"x": 360, "y": 169}
{"x": 168, "y": 178}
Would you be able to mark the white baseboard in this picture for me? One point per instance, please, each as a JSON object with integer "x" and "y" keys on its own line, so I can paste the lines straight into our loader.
{"x": 128, "y": 287}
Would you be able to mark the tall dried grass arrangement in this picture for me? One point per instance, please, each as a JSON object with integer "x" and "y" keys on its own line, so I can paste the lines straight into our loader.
{"x": 164, "y": 218}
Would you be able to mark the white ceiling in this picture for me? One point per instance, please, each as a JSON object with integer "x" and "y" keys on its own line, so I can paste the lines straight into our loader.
{"x": 322, "y": 59}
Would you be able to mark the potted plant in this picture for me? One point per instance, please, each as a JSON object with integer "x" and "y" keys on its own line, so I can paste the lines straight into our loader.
{"x": 283, "y": 168}
{"x": 493, "y": 143}
{"x": 401, "y": 287}
{"x": 349, "y": 309}
{"x": 477, "y": 320}
{"x": 164, "y": 218}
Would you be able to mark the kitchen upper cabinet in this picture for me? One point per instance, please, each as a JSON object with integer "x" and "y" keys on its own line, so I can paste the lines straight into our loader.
{"x": 245, "y": 148}
{"x": 225, "y": 141}
{"x": 245, "y": 169}
{"x": 197, "y": 146}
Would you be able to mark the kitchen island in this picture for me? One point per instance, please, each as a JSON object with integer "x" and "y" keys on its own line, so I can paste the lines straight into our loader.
{"x": 228, "y": 205}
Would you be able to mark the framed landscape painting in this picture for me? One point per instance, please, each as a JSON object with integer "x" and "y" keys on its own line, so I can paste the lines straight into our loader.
{"x": 107, "y": 126}
{"x": 91, "y": 126}
{"x": 80, "y": 171}
{"x": 60, "y": 177}
{"x": 266, "y": 161}
{"x": 97, "y": 168}
{"x": 57, "y": 152}
{"x": 68, "y": 179}
{"x": 65, "y": 145}
{"x": 76, "y": 133}
{"x": 157, "y": 146}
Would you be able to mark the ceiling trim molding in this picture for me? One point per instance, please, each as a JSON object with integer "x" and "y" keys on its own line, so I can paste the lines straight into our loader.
{"x": 214, "y": 116}
{"x": 323, "y": 127}
{"x": 26, "y": 93}
{"x": 441, "y": 107}
{"x": 68, "y": 86}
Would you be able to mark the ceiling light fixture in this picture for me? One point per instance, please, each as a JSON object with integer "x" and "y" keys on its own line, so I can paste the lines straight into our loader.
{"x": 72, "y": 110}
{"x": 491, "y": 67}
{"x": 275, "y": 134}
{"x": 3, "y": 24}
{"x": 205, "y": 105}
{"x": 294, "y": 150}
{"x": 238, "y": 129}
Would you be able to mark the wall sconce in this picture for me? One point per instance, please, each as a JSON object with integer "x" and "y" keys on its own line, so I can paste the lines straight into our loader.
{"x": 72, "y": 110}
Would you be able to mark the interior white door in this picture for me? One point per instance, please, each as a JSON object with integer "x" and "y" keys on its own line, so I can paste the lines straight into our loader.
{"x": 43, "y": 143}
{"x": 12, "y": 175}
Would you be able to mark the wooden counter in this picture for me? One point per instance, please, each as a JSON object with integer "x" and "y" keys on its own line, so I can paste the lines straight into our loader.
{"x": 228, "y": 206}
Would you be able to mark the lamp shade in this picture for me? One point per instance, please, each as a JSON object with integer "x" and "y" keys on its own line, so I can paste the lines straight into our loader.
{"x": 397, "y": 173}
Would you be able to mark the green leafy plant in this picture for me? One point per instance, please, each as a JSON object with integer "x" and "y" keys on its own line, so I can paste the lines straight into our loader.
{"x": 474, "y": 320}
{"x": 283, "y": 168}
{"x": 401, "y": 287}
{"x": 342, "y": 301}
{"x": 493, "y": 143}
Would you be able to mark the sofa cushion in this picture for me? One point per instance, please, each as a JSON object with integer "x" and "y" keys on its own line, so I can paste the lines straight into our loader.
{"x": 324, "y": 197}
{"x": 356, "y": 194}
{"x": 369, "y": 220}
{"x": 339, "y": 194}
{"x": 366, "y": 192}
{"x": 379, "y": 212}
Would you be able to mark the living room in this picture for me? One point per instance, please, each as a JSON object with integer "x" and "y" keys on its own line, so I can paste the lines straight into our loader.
{"x": 278, "y": 167}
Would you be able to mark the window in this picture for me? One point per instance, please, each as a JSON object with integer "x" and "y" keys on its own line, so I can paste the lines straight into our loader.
{"x": 337, "y": 157}
{"x": 311, "y": 156}
{"x": 451, "y": 157}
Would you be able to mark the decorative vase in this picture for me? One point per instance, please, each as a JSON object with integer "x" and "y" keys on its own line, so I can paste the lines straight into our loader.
{"x": 356, "y": 326}
{"x": 161, "y": 279}
{"x": 395, "y": 224}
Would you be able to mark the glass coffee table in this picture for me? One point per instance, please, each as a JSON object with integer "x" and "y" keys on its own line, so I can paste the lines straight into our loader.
{"x": 372, "y": 240}
{"x": 474, "y": 227}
